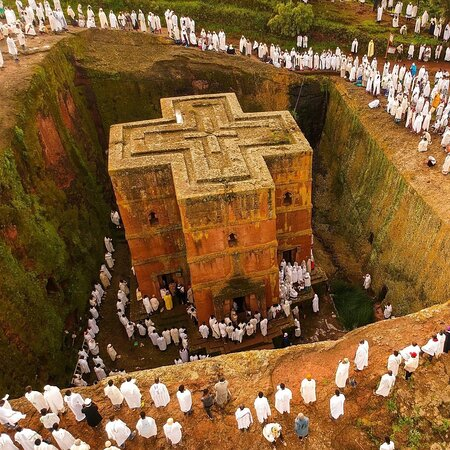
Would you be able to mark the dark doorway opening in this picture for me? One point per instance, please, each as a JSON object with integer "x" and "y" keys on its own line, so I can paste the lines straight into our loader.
{"x": 165, "y": 280}
{"x": 289, "y": 255}
{"x": 239, "y": 304}
{"x": 383, "y": 293}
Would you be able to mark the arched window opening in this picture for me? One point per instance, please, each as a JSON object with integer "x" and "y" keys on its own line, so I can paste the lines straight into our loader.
{"x": 153, "y": 219}
{"x": 287, "y": 199}
{"x": 232, "y": 240}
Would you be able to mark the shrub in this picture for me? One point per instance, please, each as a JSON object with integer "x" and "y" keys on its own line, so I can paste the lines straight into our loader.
{"x": 291, "y": 20}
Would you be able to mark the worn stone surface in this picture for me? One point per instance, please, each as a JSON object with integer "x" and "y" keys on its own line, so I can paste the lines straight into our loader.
{"x": 214, "y": 196}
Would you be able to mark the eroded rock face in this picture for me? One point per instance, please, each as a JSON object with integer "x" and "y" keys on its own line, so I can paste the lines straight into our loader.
{"x": 373, "y": 194}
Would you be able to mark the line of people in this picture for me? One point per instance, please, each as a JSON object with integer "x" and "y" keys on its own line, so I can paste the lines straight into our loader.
{"x": 52, "y": 405}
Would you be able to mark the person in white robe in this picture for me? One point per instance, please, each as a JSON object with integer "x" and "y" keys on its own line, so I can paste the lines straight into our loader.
{"x": 12, "y": 49}
{"x": 172, "y": 431}
{"x": 113, "y": 20}
{"x": 214, "y": 325}
{"x": 159, "y": 394}
{"x": 184, "y": 397}
{"x": 99, "y": 372}
{"x": 441, "y": 338}
{"x": 413, "y": 348}
{"x": 308, "y": 390}
{"x": 386, "y": 384}
{"x": 154, "y": 336}
{"x": 8, "y": 416}
{"x": 75, "y": 402}
{"x": 107, "y": 240}
{"x": 411, "y": 364}
{"x": 161, "y": 342}
{"x": 243, "y": 417}
{"x": 388, "y": 307}
{"x": 113, "y": 393}
{"x": 342, "y": 373}
{"x": 36, "y": 399}
{"x": 155, "y": 303}
{"x": 362, "y": 355}
{"x": 147, "y": 305}
{"x": 118, "y": 431}
{"x": 283, "y": 398}
{"x": 394, "y": 362}
{"x": 146, "y": 426}
{"x": 446, "y": 165}
{"x": 175, "y": 335}
{"x": 367, "y": 281}
{"x": 315, "y": 303}
{"x": 103, "y": 24}
{"x": 54, "y": 399}
{"x": 63, "y": 438}
{"x": 337, "y": 405}
{"x": 109, "y": 260}
{"x": 131, "y": 393}
{"x": 6, "y": 443}
{"x": 431, "y": 347}
{"x": 262, "y": 408}
{"x": 204, "y": 330}
{"x": 111, "y": 352}
{"x": 81, "y": 445}
{"x": 387, "y": 444}
{"x": 263, "y": 326}
{"x": 26, "y": 437}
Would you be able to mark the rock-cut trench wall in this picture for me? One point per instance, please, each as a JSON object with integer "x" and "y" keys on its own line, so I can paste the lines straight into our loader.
{"x": 54, "y": 212}
{"x": 363, "y": 199}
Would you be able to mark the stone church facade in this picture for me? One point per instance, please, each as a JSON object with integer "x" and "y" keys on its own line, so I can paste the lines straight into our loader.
{"x": 215, "y": 198}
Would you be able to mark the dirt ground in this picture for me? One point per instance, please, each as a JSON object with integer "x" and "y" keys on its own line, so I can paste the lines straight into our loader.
{"x": 367, "y": 417}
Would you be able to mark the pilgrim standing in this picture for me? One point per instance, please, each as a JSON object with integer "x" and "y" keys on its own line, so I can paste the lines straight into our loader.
{"x": 337, "y": 404}
{"x": 362, "y": 355}
{"x": 118, "y": 431}
{"x": 62, "y": 437}
{"x": 301, "y": 426}
{"x": 342, "y": 373}
{"x": 146, "y": 426}
{"x": 75, "y": 403}
{"x": 308, "y": 390}
{"x": 386, "y": 384}
{"x": 131, "y": 393}
{"x": 36, "y": 399}
{"x": 159, "y": 394}
{"x": 283, "y": 398}
{"x": 262, "y": 408}
{"x": 26, "y": 437}
{"x": 394, "y": 362}
{"x": 244, "y": 418}
{"x": 53, "y": 397}
{"x": 113, "y": 393}
{"x": 185, "y": 400}
{"x": 172, "y": 431}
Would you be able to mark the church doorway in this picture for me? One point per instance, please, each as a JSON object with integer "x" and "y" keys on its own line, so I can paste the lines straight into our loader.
{"x": 289, "y": 255}
{"x": 239, "y": 304}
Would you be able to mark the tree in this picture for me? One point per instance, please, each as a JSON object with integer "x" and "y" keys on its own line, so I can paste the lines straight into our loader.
{"x": 291, "y": 20}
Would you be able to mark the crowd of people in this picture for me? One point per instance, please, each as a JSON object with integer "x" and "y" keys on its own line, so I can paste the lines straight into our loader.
{"x": 52, "y": 404}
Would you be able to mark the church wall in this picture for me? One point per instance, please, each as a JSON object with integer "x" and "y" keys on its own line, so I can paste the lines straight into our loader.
{"x": 293, "y": 175}
{"x": 212, "y": 261}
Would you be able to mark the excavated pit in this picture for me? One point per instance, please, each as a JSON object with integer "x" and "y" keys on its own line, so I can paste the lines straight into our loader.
{"x": 366, "y": 215}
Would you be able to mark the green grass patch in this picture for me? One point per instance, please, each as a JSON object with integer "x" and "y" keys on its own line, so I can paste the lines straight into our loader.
{"x": 353, "y": 306}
